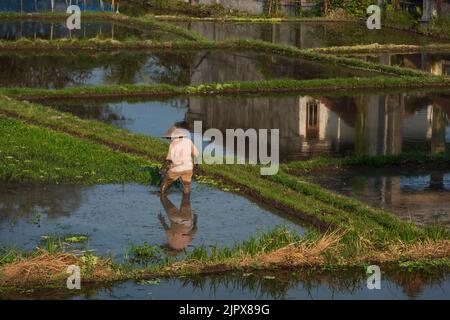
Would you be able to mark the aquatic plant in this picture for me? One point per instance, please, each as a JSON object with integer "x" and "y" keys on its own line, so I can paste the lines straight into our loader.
{"x": 145, "y": 253}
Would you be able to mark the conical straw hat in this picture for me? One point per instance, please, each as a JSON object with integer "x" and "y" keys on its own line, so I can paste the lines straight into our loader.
{"x": 175, "y": 132}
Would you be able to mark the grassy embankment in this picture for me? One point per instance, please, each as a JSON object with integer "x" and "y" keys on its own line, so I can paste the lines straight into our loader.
{"x": 143, "y": 23}
{"x": 385, "y": 48}
{"x": 269, "y": 86}
{"x": 275, "y": 250}
{"x": 356, "y": 234}
{"x": 405, "y": 159}
{"x": 31, "y": 154}
{"x": 255, "y": 45}
{"x": 395, "y": 77}
{"x": 181, "y": 8}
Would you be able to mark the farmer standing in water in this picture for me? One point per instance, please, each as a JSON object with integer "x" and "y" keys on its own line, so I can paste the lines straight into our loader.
{"x": 179, "y": 164}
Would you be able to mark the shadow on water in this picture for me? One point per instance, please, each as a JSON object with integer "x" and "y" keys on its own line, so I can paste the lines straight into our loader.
{"x": 60, "y": 70}
{"x": 299, "y": 284}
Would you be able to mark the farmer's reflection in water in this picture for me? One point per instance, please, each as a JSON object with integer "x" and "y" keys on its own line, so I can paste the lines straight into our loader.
{"x": 183, "y": 223}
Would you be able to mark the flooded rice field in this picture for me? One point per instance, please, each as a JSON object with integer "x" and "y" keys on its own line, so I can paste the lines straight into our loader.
{"x": 436, "y": 63}
{"x": 115, "y": 217}
{"x": 310, "y": 126}
{"x": 33, "y": 29}
{"x": 45, "y": 6}
{"x": 307, "y": 34}
{"x": 65, "y": 69}
{"x": 282, "y": 285}
{"x": 421, "y": 196}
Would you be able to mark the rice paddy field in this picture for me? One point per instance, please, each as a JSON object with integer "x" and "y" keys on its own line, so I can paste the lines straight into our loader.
{"x": 364, "y": 150}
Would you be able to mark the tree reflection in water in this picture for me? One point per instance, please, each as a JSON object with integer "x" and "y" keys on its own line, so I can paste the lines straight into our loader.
{"x": 18, "y": 202}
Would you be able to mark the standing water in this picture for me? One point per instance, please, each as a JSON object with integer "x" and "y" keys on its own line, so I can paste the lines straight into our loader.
{"x": 310, "y": 125}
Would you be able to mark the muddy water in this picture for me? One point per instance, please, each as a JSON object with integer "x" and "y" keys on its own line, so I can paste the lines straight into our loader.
{"x": 53, "y": 30}
{"x": 59, "y": 70}
{"x": 310, "y": 126}
{"x": 437, "y": 63}
{"x": 114, "y": 217}
{"x": 306, "y": 34}
{"x": 420, "y": 196}
{"x": 345, "y": 285}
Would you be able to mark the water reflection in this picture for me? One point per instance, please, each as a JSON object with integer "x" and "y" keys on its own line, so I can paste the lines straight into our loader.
{"x": 299, "y": 285}
{"x": 174, "y": 67}
{"x": 318, "y": 125}
{"x": 310, "y": 126}
{"x": 23, "y": 202}
{"x": 145, "y": 117}
{"x": 422, "y": 197}
{"x": 30, "y": 6}
{"x": 306, "y": 34}
{"x": 434, "y": 63}
{"x": 183, "y": 223}
{"x": 53, "y": 29}
{"x": 114, "y": 217}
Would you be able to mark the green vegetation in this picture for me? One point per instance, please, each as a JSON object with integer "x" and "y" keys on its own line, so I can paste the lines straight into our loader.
{"x": 43, "y": 145}
{"x": 9, "y": 255}
{"x": 150, "y": 22}
{"x": 275, "y": 249}
{"x": 70, "y": 238}
{"x": 92, "y": 130}
{"x": 263, "y": 242}
{"x": 180, "y": 8}
{"x": 145, "y": 22}
{"x": 414, "y": 158}
{"x": 371, "y": 227}
{"x": 234, "y": 87}
{"x": 145, "y": 253}
{"x": 31, "y": 154}
{"x": 381, "y": 48}
{"x": 260, "y": 46}
{"x": 440, "y": 26}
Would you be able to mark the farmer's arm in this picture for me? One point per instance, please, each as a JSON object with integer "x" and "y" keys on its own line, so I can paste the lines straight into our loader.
{"x": 167, "y": 162}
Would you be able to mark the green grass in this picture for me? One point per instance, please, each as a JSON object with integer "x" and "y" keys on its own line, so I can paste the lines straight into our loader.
{"x": 256, "y": 45}
{"x": 88, "y": 129}
{"x": 263, "y": 242}
{"x": 145, "y": 253}
{"x": 364, "y": 226}
{"x": 318, "y": 206}
{"x": 143, "y": 22}
{"x": 415, "y": 158}
{"x": 388, "y": 48}
{"x": 30, "y": 154}
{"x": 231, "y": 88}
{"x": 150, "y": 22}
{"x": 9, "y": 255}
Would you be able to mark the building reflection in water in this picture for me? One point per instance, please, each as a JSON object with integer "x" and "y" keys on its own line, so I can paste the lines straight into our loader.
{"x": 313, "y": 126}
{"x": 434, "y": 63}
{"x": 182, "y": 225}
{"x": 421, "y": 196}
